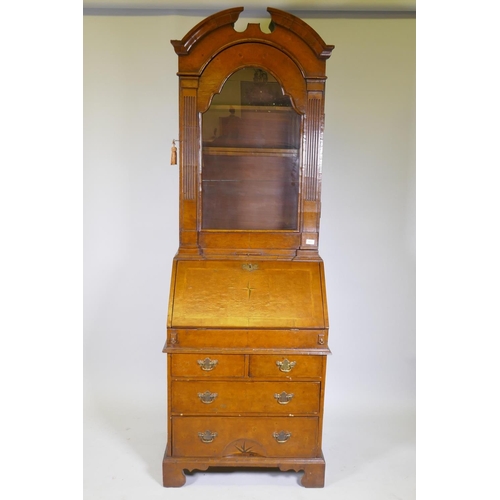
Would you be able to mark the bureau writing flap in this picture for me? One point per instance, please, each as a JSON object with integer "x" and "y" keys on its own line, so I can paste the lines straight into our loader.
{"x": 235, "y": 294}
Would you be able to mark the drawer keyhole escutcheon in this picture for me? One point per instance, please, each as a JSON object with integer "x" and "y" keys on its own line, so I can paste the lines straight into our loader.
{"x": 250, "y": 267}
{"x": 207, "y": 364}
{"x": 282, "y": 436}
{"x": 207, "y": 436}
{"x": 207, "y": 397}
{"x": 283, "y": 398}
{"x": 285, "y": 365}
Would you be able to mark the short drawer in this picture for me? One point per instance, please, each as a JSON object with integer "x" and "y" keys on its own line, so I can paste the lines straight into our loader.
{"x": 202, "y": 366}
{"x": 190, "y": 397}
{"x": 245, "y": 436}
{"x": 268, "y": 366}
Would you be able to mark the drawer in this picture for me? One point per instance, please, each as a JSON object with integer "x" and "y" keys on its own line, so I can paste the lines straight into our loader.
{"x": 248, "y": 339}
{"x": 245, "y": 436}
{"x": 202, "y": 366}
{"x": 268, "y": 366}
{"x": 245, "y": 397}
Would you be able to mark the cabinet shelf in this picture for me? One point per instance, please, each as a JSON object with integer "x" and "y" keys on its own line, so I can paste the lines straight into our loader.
{"x": 252, "y": 108}
{"x": 231, "y": 151}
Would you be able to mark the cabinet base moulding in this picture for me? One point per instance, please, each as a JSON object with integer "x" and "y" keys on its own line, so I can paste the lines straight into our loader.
{"x": 174, "y": 467}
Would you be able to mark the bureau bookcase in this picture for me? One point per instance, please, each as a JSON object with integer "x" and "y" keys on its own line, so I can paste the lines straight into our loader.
{"x": 247, "y": 326}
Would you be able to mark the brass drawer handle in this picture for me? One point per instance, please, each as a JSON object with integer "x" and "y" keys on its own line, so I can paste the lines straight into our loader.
{"x": 207, "y": 436}
{"x": 282, "y": 436}
{"x": 207, "y": 364}
{"x": 207, "y": 397}
{"x": 285, "y": 365}
{"x": 283, "y": 398}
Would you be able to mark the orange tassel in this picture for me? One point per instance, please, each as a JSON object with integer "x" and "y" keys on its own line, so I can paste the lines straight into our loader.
{"x": 173, "y": 154}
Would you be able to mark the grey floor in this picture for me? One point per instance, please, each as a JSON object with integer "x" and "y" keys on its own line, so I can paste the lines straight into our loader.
{"x": 370, "y": 455}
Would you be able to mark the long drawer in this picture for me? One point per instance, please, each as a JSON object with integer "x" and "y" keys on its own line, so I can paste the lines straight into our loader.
{"x": 190, "y": 397}
{"x": 245, "y": 436}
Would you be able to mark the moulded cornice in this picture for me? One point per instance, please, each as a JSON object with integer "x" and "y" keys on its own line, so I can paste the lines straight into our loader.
{"x": 278, "y": 18}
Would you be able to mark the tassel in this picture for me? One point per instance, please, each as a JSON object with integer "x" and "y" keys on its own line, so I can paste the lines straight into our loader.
{"x": 173, "y": 154}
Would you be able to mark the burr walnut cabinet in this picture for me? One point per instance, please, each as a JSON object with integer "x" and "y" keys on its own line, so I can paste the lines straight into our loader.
{"x": 247, "y": 327}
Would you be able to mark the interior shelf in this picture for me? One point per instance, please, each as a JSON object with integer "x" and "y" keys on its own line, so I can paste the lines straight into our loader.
{"x": 232, "y": 151}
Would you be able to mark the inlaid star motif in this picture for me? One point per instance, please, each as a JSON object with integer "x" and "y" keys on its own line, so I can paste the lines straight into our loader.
{"x": 249, "y": 289}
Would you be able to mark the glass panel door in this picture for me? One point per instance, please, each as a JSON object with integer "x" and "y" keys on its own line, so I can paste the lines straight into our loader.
{"x": 251, "y": 146}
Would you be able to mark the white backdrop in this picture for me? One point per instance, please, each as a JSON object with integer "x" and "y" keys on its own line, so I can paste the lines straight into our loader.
{"x": 367, "y": 242}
